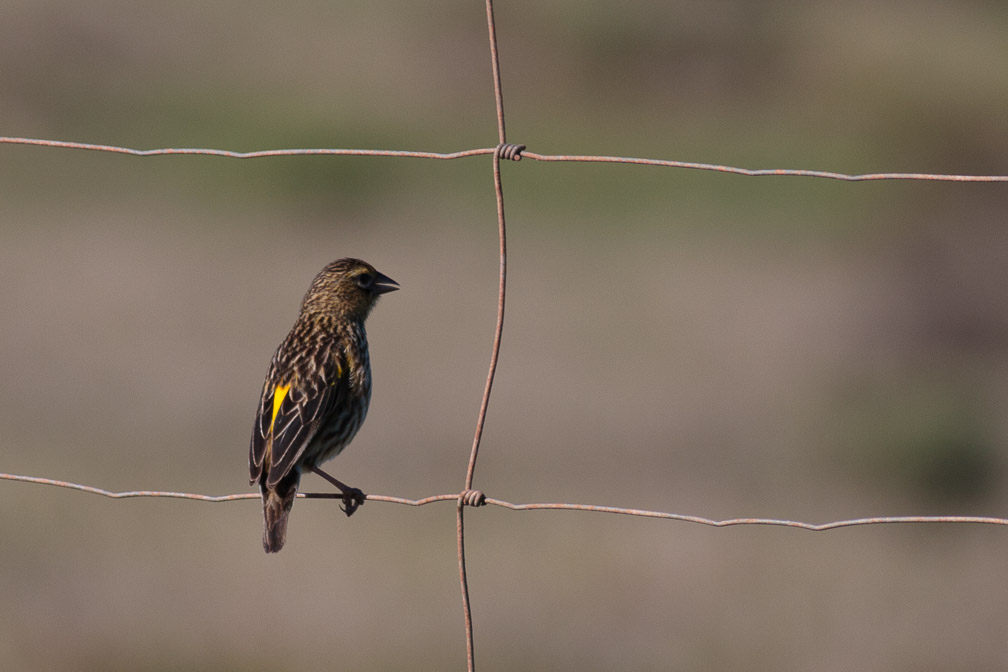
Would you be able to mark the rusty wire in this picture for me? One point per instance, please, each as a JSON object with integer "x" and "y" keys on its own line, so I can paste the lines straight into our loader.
{"x": 226, "y": 153}
{"x": 536, "y": 506}
{"x": 766, "y": 172}
{"x": 468, "y": 496}
{"x": 522, "y": 152}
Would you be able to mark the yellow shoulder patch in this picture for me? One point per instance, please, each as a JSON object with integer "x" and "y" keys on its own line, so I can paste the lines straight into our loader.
{"x": 279, "y": 394}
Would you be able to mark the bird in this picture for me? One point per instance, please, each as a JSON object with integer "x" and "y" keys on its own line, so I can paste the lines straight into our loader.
{"x": 316, "y": 392}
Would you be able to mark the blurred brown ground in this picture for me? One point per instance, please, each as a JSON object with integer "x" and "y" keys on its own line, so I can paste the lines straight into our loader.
{"x": 698, "y": 343}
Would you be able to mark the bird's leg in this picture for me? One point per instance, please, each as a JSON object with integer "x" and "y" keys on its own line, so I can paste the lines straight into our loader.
{"x": 352, "y": 497}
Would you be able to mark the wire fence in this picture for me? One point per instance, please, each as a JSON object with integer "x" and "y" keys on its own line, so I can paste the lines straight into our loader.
{"x": 469, "y": 496}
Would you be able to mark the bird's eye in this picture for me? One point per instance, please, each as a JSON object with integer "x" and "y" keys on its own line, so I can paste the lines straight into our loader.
{"x": 365, "y": 280}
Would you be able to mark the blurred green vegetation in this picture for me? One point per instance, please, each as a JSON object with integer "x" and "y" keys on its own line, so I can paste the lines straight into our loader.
{"x": 925, "y": 435}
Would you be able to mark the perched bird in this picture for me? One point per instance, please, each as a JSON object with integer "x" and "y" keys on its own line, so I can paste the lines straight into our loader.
{"x": 317, "y": 391}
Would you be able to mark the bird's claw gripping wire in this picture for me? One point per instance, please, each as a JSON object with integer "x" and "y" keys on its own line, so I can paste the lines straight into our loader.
{"x": 353, "y": 498}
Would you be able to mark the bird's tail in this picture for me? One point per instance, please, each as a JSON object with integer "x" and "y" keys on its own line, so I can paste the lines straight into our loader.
{"x": 277, "y": 503}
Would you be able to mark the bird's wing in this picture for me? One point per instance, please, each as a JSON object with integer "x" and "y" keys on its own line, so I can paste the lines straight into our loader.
{"x": 290, "y": 414}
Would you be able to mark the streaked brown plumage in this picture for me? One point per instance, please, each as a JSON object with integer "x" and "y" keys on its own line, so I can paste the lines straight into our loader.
{"x": 317, "y": 390}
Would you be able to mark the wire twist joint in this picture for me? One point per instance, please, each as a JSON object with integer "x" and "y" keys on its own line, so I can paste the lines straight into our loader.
{"x": 510, "y": 151}
{"x": 472, "y": 498}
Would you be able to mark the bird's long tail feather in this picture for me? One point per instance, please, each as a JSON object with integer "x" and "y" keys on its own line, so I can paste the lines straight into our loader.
{"x": 277, "y": 503}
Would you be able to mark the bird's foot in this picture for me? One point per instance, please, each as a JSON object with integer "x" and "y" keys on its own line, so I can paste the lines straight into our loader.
{"x": 353, "y": 498}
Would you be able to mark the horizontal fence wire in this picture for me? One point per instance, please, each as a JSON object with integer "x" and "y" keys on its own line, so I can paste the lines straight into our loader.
{"x": 538, "y": 506}
{"x": 523, "y": 153}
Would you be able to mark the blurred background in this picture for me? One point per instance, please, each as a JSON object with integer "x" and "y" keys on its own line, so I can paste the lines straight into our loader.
{"x": 692, "y": 342}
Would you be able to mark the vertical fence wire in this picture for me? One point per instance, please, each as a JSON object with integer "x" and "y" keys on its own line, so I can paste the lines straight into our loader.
{"x": 465, "y": 498}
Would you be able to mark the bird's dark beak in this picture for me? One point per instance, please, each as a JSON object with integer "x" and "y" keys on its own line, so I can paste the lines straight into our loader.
{"x": 384, "y": 284}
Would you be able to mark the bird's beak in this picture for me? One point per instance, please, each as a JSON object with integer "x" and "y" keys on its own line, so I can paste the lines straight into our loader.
{"x": 384, "y": 284}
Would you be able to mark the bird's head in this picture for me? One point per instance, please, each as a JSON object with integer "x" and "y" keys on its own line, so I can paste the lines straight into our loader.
{"x": 347, "y": 287}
